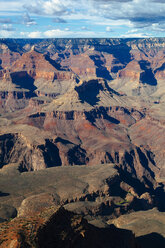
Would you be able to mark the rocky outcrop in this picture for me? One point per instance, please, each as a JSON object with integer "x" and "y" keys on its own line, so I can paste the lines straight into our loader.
{"x": 7, "y": 57}
{"x": 15, "y": 148}
{"x": 131, "y": 72}
{"x": 78, "y": 103}
{"x": 142, "y": 224}
{"x": 90, "y": 137}
{"x": 38, "y": 66}
{"x": 135, "y": 71}
{"x": 86, "y": 190}
{"x": 80, "y": 64}
{"x": 62, "y": 229}
{"x": 14, "y": 94}
{"x": 6, "y": 211}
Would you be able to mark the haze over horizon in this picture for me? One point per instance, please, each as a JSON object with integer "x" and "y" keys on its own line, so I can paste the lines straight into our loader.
{"x": 82, "y": 19}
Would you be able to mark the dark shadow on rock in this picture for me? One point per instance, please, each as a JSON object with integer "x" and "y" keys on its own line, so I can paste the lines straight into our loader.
{"x": 152, "y": 240}
{"x": 7, "y": 212}
{"x": 127, "y": 177}
{"x": 162, "y": 68}
{"x": 151, "y": 156}
{"x": 150, "y": 184}
{"x": 62, "y": 141}
{"x": 160, "y": 197}
{"x": 144, "y": 162}
{"x": 100, "y": 113}
{"x": 105, "y": 116}
{"x": 59, "y": 45}
{"x": 67, "y": 230}
{"x": 111, "y": 90}
{"x": 53, "y": 63}
{"x": 129, "y": 159}
{"x": 7, "y": 142}
{"x": 131, "y": 179}
{"x": 101, "y": 71}
{"x": 116, "y": 68}
{"x": 37, "y": 115}
{"x": 17, "y": 45}
{"x": 77, "y": 156}
{"x": 22, "y": 240}
{"x": 37, "y": 119}
{"x": 147, "y": 77}
{"x": 2, "y": 194}
{"x": 88, "y": 92}
{"x": 2, "y": 220}
{"x": 61, "y": 55}
{"x": 1, "y": 64}
{"x": 22, "y": 167}
{"x": 121, "y": 52}
{"x": 116, "y": 190}
{"x": 51, "y": 154}
{"x": 23, "y": 80}
{"x": 75, "y": 49}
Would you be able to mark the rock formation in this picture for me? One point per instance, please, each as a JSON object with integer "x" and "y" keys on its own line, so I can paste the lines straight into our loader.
{"x": 62, "y": 229}
{"x": 81, "y": 103}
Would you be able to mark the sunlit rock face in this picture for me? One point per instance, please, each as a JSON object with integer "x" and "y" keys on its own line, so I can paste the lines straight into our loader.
{"x": 81, "y": 103}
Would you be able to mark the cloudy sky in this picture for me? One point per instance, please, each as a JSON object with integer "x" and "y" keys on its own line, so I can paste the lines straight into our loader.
{"x": 82, "y": 18}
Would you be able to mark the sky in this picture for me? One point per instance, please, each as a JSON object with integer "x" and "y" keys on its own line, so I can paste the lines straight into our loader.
{"x": 82, "y": 18}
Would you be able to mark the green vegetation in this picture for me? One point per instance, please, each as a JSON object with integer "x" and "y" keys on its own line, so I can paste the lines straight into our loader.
{"x": 122, "y": 203}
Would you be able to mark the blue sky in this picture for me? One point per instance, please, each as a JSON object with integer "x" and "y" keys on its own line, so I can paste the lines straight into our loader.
{"x": 82, "y": 18}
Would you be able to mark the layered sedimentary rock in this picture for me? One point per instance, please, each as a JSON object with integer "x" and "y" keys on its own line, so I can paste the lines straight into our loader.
{"x": 38, "y": 66}
{"x": 62, "y": 229}
{"x": 79, "y": 105}
{"x": 7, "y": 57}
{"x": 148, "y": 227}
{"x": 122, "y": 60}
{"x": 87, "y": 190}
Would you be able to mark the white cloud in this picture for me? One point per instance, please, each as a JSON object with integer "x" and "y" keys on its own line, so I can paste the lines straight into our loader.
{"x": 158, "y": 27}
{"x": 6, "y": 34}
{"x": 54, "y": 7}
{"x": 11, "y": 5}
{"x": 35, "y": 34}
{"x": 108, "y": 29}
{"x": 53, "y": 33}
{"x": 49, "y": 7}
{"x": 132, "y": 31}
{"x": 56, "y": 33}
{"x": 84, "y": 28}
{"x": 138, "y": 12}
{"x": 135, "y": 35}
{"x": 141, "y": 15}
{"x": 7, "y": 27}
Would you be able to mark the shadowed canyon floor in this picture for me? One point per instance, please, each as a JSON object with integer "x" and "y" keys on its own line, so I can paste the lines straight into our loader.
{"x": 82, "y": 125}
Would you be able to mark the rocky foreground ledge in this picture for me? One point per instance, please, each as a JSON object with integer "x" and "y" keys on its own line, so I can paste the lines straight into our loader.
{"x": 61, "y": 228}
{"x": 87, "y": 190}
{"x": 75, "y": 206}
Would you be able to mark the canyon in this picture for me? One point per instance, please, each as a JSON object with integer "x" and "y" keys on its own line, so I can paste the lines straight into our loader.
{"x": 82, "y": 127}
